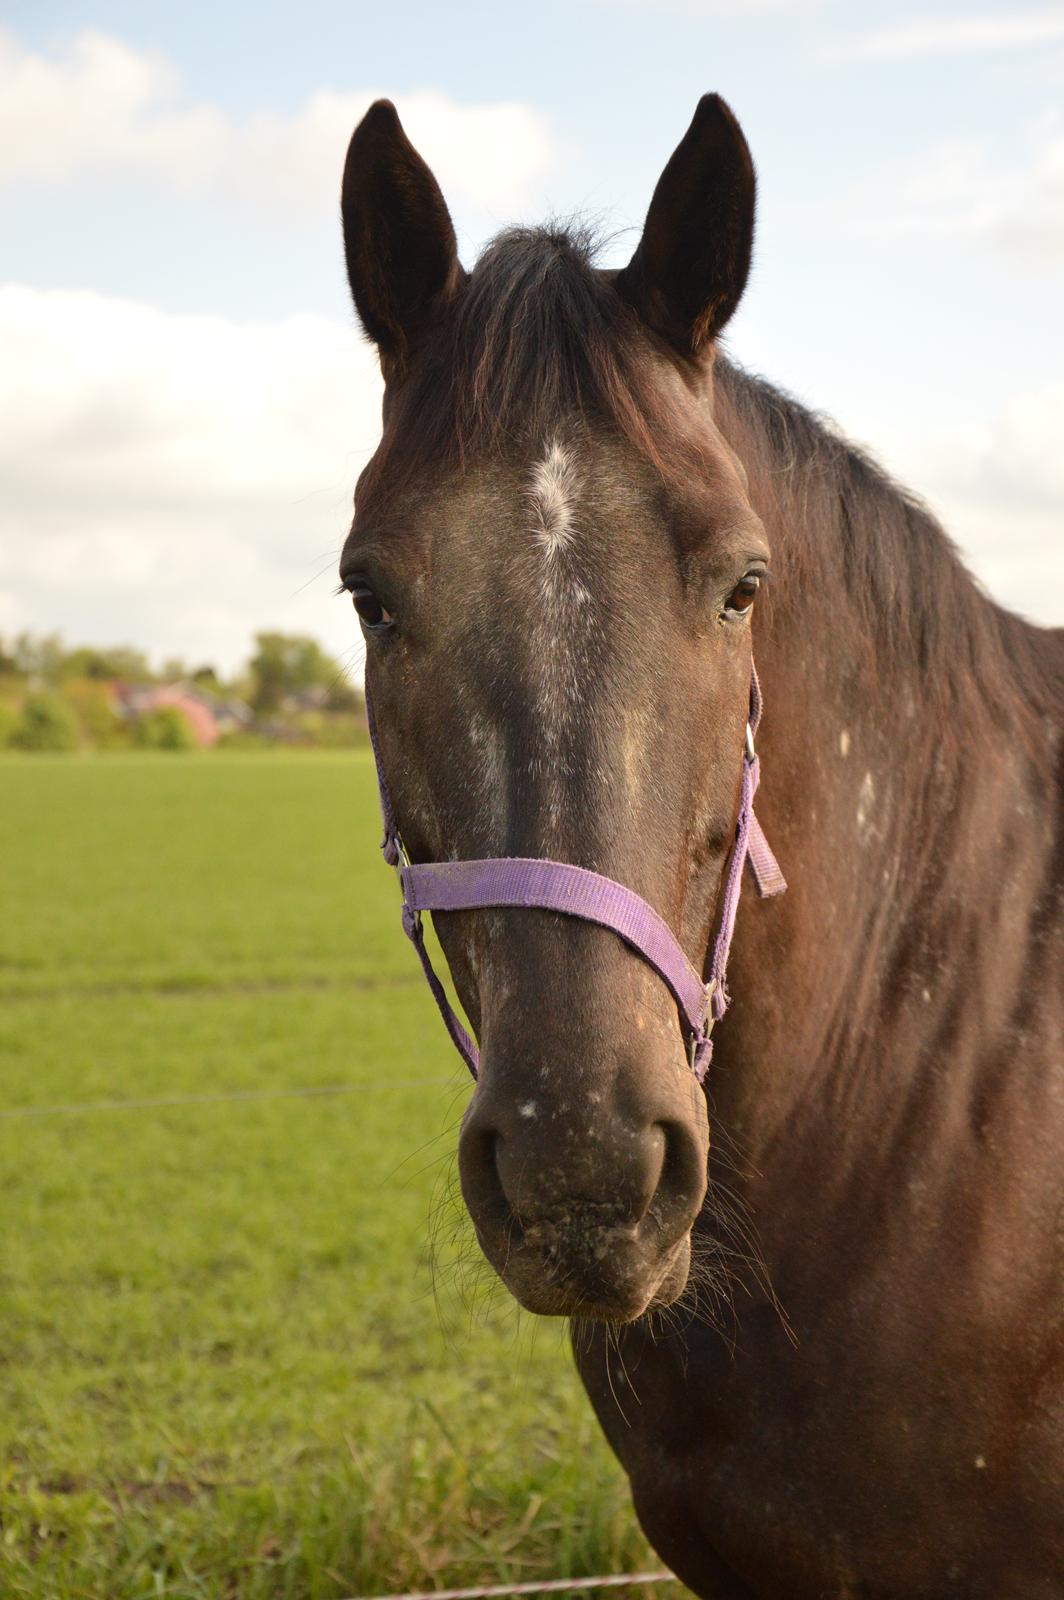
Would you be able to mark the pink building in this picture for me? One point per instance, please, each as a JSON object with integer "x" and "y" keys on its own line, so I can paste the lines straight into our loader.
{"x": 135, "y": 699}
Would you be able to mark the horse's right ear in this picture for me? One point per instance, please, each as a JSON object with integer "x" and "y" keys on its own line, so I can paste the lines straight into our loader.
{"x": 402, "y": 258}
{"x": 689, "y": 271}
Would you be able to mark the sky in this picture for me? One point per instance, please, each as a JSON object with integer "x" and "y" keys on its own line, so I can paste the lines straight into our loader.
{"x": 185, "y": 398}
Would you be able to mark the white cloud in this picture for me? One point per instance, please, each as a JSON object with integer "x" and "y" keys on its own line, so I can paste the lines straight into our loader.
{"x": 103, "y": 107}
{"x": 998, "y": 487}
{"x": 953, "y": 35}
{"x": 958, "y": 191}
{"x": 176, "y": 481}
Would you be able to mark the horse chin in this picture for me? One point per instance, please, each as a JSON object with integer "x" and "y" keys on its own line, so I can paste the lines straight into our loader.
{"x": 619, "y": 1286}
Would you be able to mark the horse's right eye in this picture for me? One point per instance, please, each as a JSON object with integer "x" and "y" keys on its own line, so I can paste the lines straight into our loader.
{"x": 743, "y": 595}
{"x": 370, "y": 610}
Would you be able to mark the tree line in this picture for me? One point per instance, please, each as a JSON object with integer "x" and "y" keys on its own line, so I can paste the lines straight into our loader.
{"x": 57, "y": 697}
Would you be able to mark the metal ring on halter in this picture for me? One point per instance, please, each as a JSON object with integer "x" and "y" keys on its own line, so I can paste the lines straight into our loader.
{"x": 707, "y": 1027}
{"x": 403, "y": 860}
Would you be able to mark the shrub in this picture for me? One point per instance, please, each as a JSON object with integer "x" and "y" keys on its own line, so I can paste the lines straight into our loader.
{"x": 100, "y": 723}
{"x": 165, "y": 728}
{"x": 9, "y": 721}
{"x": 46, "y": 723}
{"x": 333, "y": 730}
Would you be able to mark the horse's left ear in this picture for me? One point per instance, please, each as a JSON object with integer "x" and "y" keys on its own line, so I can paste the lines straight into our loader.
{"x": 689, "y": 271}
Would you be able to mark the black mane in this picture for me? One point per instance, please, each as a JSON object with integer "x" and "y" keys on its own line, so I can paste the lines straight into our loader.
{"x": 919, "y": 604}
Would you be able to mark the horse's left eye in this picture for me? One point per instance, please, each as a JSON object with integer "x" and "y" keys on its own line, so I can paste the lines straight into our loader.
{"x": 743, "y": 595}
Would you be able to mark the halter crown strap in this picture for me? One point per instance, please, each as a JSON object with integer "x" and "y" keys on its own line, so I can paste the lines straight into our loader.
{"x": 516, "y": 881}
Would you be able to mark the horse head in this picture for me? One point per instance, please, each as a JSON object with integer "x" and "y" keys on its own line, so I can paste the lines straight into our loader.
{"x": 555, "y": 560}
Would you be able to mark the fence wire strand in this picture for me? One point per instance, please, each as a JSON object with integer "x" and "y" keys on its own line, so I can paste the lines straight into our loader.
{"x": 616, "y": 1580}
{"x": 227, "y": 1097}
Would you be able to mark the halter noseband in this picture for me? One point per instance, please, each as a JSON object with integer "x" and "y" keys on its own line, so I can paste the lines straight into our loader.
{"x": 576, "y": 892}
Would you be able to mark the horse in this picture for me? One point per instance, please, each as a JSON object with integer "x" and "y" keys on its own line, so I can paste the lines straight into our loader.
{"x": 826, "y": 1345}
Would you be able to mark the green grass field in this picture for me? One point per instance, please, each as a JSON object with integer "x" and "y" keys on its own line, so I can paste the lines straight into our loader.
{"x": 227, "y": 1365}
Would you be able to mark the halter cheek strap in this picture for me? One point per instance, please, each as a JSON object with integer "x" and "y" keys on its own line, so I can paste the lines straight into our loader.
{"x": 575, "y": 892}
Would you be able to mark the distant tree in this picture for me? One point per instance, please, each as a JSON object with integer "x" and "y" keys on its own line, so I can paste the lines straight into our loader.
{"x": 343, "y": 695}
{"x": 116, "y": 661}
{"x": 40, "y": 658}
{"x": 206, "y": 678}
{"x": 286, "y": 664}
{"x": 165, "y": 728}
{"x": 46, "y": 723}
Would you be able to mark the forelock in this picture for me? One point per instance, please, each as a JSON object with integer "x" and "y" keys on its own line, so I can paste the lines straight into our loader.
{"x": 538, "y": 335}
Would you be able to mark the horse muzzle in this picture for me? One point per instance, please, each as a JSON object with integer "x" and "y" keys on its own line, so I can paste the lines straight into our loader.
{"x": 584, "y": 1216}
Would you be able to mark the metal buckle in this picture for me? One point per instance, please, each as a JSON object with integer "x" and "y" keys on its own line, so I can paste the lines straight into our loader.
{"x": 749, "y": 743}
{"x": 707, "y": 1026}
{"x": 403, "y": 860}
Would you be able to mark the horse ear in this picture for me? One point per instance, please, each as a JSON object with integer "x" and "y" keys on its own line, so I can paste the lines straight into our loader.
{"x": 402, "y": 258}
{"x": 690, "y": 268}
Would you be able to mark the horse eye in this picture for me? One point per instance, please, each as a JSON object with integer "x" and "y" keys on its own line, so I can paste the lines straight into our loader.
{"x": 369, "y": 608}
{"x": 743, "y": 595}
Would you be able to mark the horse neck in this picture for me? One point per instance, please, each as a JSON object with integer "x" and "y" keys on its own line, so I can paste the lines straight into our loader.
{"x": 902, "y": 749}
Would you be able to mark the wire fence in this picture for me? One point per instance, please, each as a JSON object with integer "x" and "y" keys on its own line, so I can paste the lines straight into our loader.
{"x": 222, "y": 1097}
{"x": 616, "y": 1580}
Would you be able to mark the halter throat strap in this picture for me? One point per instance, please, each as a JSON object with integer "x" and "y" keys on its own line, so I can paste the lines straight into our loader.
{"x": 535, "y": 883}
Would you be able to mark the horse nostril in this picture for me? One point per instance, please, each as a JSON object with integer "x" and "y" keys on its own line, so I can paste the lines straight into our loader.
{"x": 649, "y": 1169}
{"x": 682, "y": 1184}
{"x": 478, "y": 1170}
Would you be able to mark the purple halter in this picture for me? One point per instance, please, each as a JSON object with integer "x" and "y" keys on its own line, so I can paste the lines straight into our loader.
{"x": 557, "y": 886}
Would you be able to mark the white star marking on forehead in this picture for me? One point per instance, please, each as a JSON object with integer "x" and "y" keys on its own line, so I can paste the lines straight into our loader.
{"x": 553, "y": 495}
